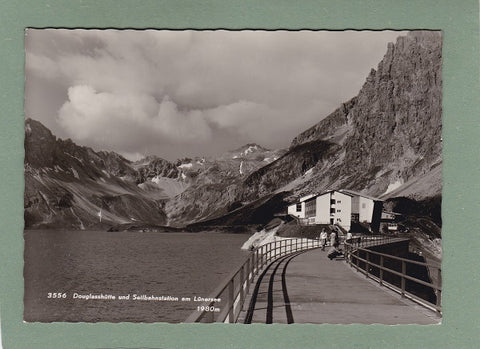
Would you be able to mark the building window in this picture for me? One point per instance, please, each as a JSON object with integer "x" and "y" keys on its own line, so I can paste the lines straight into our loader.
{"x": 332, "y": 201}
{"x": 332, "y": 210}
{"x": 299, "y": 207}
{"x": 339, "y": 210}
{"x": 339, "y": 201}
{"x": 310, "y": 208}
{"x": 339, "y": 219}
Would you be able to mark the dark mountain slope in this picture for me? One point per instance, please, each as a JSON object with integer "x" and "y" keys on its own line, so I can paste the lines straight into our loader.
{"x": 73, "y": 187}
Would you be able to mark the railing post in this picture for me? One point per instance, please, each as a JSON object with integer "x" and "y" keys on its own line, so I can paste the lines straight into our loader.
{"x": 242, "y": 283}
{"x": 231, "y": 301}
{"x": 248, "y": 274}
{"x": 439, "y": 291}
{"x": 381, "y": 270}
{"x": 367, "y": 263}
{"x": 404, "y": 272}
{"x": 256, "y": 262}
{"x": 262, "y": 257}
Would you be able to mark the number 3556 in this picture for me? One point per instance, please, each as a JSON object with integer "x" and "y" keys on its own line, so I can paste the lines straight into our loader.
{"x": 56, "y": 295}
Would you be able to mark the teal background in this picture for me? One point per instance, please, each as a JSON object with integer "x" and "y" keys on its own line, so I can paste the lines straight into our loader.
{"x": 461, "y": 304}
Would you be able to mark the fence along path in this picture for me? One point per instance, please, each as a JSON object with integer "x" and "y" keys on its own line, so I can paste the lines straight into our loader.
{"x": 394, "y": 272}
{"x": 323, "y": 291}
{"x": 293, "y": 281}
{"x": 236, "y": 287}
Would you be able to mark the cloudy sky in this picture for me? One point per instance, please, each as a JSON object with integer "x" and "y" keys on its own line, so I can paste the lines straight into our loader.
{"x": 192, "y": 93}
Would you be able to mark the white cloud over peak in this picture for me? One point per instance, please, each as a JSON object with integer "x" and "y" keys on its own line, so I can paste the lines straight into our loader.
{"x": 183, "y": 93}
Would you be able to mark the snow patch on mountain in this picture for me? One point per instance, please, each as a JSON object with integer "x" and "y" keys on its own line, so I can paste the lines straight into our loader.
{"x": 393, "y": 186}
{"x": 75, "y": 173}
{"x": 250, "y": 149}
{"x": 189, "y": 165}
{"x": 106, "y": 173}
{"x": 262, "y": 237}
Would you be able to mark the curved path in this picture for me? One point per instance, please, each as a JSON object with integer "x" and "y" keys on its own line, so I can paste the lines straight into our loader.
{"x": 306, "y": 287}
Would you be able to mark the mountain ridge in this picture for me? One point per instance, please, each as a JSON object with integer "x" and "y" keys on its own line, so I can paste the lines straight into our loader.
{"x": 384, "y": 142}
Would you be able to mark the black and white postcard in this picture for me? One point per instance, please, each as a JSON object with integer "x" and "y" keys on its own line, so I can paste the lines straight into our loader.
{"x": 233, "y": 176}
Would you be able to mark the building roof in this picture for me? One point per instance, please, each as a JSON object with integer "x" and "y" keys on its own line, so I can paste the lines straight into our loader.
{"x": 306, "y": 197}
{"x": 342, "y": 191}
{"x": 354, "y": 193}
{"x": 327, "y": 192}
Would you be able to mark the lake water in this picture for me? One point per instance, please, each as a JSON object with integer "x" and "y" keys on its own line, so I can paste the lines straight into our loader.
{"x": 61, "y": 267}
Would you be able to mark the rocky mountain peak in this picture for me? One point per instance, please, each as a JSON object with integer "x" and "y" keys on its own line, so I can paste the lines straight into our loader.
{"x": 390, "y": 132}
{"x": 248, "y": 149}
{"x": 39, "y": 144}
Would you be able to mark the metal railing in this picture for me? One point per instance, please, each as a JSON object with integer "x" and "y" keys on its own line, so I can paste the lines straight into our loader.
{"x": 227, "y": 301}
{"x": 371, "y": 240}
{"x": 397, "y": 273}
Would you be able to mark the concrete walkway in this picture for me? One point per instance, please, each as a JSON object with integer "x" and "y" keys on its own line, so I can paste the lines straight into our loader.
{"x": 309, "y": 288}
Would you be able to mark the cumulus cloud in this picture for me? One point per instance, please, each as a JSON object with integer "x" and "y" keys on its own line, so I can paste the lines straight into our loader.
{"x": 114, "y": 119}
{"x": 184, "y": 93}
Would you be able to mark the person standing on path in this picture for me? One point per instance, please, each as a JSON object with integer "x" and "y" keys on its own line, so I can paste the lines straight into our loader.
{"x": 333, "y": 238}
{"x": 349, "y": 236}
{"x": 323, "y": 239}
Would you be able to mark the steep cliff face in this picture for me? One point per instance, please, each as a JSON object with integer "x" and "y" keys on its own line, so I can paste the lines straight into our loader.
{"x": 396, "y": 122}
{"x": 334, "y": 127}
{"x": 391, "y": 132}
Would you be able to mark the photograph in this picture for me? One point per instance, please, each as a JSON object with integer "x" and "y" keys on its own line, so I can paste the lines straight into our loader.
{"x": 233, "y": 176}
